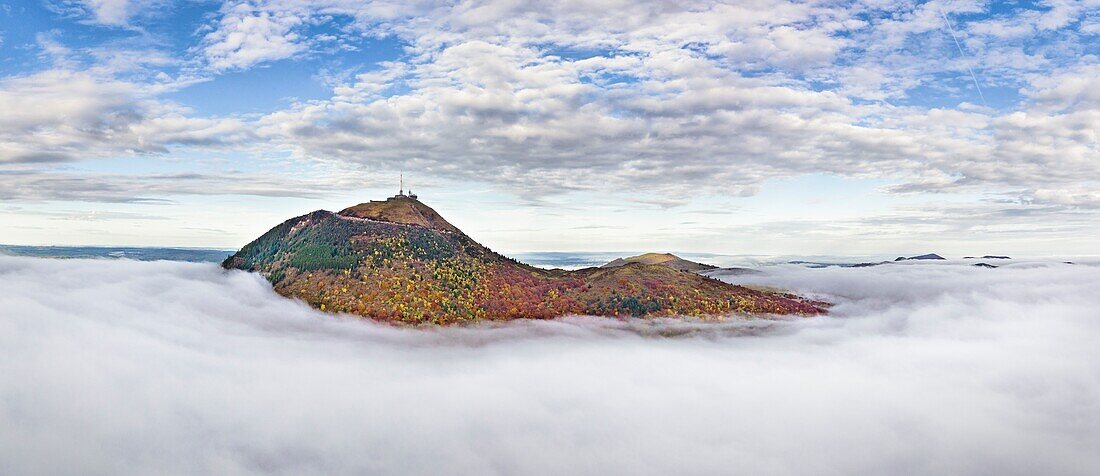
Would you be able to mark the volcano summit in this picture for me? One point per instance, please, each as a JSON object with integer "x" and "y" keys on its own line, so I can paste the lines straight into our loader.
{"x": 398, "y": 260}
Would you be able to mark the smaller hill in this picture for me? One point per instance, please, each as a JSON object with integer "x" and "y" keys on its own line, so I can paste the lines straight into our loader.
{"x": 928, "y": 256}
{"x": 667, "y": 260}
{"x": 987, "y": 257}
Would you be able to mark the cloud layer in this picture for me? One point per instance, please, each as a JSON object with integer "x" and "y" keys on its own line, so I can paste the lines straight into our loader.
{"x": 540, "y": 97}
{"x": 718, "y": 96}
{"x": 126, "y": 367}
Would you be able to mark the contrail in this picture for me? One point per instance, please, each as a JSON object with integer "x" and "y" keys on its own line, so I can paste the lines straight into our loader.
{"x": 961, "y": 53}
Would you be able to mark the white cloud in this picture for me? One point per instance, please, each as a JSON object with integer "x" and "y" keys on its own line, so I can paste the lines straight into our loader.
{"x": 61, "y": 115}
{"x": 1073, "y": 88}
{"x": 51, "y": 185}
{"x": 244, "y": 38}
{"x": 665, "y": 100}
{"x": 136, "y": 368}
{"x": 60, "y": 112}
{"x": 111, "y": 13}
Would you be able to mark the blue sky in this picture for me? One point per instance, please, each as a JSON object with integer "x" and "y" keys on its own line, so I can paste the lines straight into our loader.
{"x": 859, "y": 127}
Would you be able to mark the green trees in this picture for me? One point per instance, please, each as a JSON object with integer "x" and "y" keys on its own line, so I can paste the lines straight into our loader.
{"x": 322, "y": 257}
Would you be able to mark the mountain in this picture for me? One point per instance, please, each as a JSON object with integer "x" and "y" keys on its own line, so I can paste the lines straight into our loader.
{"x": 667, "y": 260}
{"x": 987, "y": 257}
{"x": 921, "y": 257}
{"x": 400, "y": 261}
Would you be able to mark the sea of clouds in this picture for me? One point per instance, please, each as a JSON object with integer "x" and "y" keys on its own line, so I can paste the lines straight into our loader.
{"x": 125, "y": 367}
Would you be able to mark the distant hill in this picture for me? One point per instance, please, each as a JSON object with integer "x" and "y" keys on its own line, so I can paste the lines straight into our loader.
{"x": 667, "y": 260}
{"x": 400, "y": 261}
{"x": 987, "y": 257}
{"x": 929, "y": 256}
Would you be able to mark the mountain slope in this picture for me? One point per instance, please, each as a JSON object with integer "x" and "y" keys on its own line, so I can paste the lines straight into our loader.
{"x": 400, "y": 261}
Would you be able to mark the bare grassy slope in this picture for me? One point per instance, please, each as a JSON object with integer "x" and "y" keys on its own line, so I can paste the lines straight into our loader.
{"x": 403, "y": 210}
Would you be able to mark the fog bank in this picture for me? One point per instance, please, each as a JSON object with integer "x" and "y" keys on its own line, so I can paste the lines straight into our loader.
{"x": 123, "y": 367}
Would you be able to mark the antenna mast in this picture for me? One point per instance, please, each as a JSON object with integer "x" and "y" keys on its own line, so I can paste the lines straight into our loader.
{"x": 401, "y": 189}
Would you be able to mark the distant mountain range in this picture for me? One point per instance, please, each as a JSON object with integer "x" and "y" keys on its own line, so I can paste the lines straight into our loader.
{"x": 924, "y": 257}
{"x": 398, "y": 260}
{"x": 196, "y": 255}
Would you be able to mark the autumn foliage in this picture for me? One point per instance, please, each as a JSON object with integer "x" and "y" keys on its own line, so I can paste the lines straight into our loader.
{"x": 411, "y": 273}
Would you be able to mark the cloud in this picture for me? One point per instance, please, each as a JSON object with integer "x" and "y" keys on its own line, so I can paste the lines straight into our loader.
{"x": 250, "y": 33}
{"x": 112, "y": 13}
{"x": 59, "y": 115}
{"x": 664, "y": 95}
{"x": 129, "y": 367}
{"x": 667, "y": 96}
{"x": 35, "y": 185}
{"x": 244, "y": 38}
{"x": 514, "y": 116}
{"x": 1071, "y": 89}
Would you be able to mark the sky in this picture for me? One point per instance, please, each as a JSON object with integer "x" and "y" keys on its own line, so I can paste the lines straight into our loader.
{"x": 838, "y": 127}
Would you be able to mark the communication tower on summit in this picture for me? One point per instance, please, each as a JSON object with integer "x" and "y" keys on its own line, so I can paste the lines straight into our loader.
{"x": 401, "y": 189}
